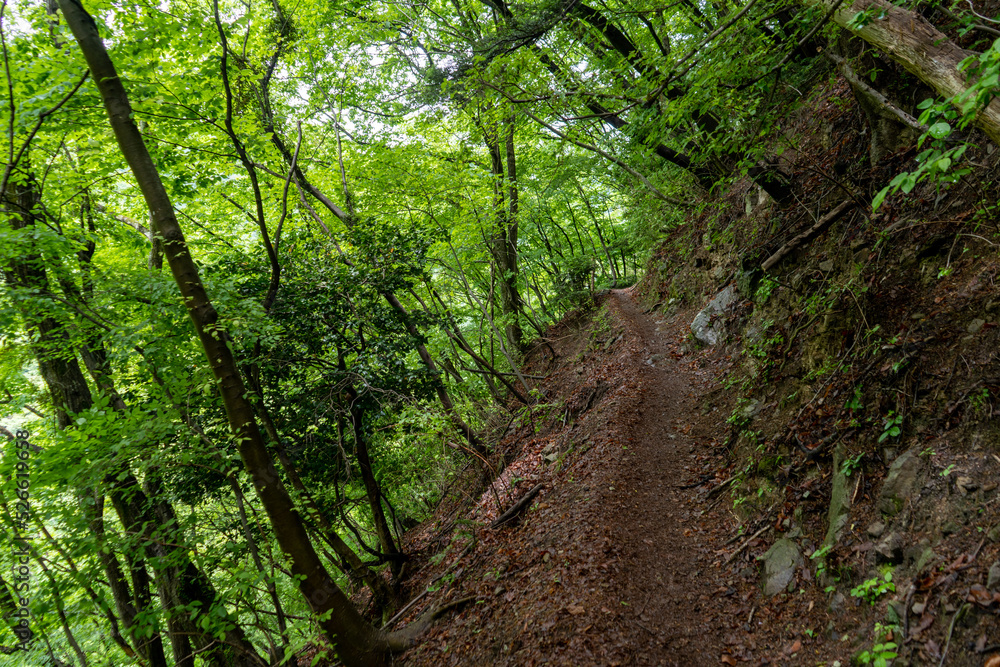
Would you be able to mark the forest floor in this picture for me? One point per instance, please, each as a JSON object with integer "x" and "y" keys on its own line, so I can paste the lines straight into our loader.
{"x": 628, "y": 554}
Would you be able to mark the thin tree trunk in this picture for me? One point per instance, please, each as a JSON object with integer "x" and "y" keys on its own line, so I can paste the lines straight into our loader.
{"x": 597, "y": 228}
{"x": 357, "y": 642}
{"x": 372, "y": 490}
{"x": 61, "y": 612}
{"x": 354, "y": 567}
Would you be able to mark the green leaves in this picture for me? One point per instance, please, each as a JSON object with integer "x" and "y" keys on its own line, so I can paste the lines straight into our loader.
{"x": 939, "y": 130}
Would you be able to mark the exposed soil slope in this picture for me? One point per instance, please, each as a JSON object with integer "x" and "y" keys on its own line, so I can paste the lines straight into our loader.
{"x": 615, "y": 563}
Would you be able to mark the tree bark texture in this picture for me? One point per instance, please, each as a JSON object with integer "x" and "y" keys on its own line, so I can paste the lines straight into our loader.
{"x": 912, "y": 41}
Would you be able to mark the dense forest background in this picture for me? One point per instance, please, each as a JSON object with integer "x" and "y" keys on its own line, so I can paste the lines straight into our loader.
{"x": 371, "y": 212}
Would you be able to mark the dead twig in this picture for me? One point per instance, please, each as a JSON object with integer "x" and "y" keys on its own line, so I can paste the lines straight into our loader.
{"x": 906, "y": 613}
{"x": 951, "y": 629}
{"x": 405, "y": 609}
{"x": 517, "y": 508}
{"x": 433, "y": 581}
{"x": 720, "y": 487}
{"x": 704, "y": 478}
{"x": 743, "y": 546}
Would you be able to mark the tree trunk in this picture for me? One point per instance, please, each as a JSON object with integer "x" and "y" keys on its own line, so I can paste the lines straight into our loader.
{"x": 372, "y": 490}
{"x": 910, "y": 40}
{"x": 357, "y": 642}
{"x": 504, "y": 239}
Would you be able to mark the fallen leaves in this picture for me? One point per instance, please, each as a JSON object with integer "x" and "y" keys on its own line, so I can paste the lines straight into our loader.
{"x": 982, "y": 597}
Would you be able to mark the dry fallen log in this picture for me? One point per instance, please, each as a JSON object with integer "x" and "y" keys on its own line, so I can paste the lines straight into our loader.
{"x": 885, "y": 108}
{"x": 808, "y": 234}
{"x": 518, "y": 508}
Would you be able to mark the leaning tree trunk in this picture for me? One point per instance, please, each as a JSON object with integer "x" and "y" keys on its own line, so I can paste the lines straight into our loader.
{"x": 910, "y": 40}
{"x": 372, "y": 490}
{"x": 357, "y": 642}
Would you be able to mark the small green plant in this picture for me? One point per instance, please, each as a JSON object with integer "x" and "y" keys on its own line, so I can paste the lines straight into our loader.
{"x": 856, "y": 400}
{"x": 879, "y": 656}
{"x": 850, "y": 464}
{"x": 446, "y": 580}
{"x": 979, "y": 400}
{"x": 947, "y": 471}
{"x": 891, "y": 426}
{"x": 739, "y": 418}
{"x": 765, "y": 289}
{"x": 820, "y": 555}
{"x": 874, "y": 588}
{"x": 882, "y": 652}
{"x": 863, "y": 18}
{"x": 928, "y": 452}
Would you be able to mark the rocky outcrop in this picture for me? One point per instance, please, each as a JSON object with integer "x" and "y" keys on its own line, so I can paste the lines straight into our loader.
{"x": 704, "y": 327}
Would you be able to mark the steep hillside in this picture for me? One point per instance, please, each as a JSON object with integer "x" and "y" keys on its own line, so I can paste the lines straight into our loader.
{"x": 863, "y": 439}
{"x": 802, "y": 473}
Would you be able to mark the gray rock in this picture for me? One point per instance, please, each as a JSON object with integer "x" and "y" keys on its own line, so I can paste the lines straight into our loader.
{"x": 837, "y": 603}
{"x": 751, "y": 409}
{"x": 826, "y": 266}
{"x": 975, "y": 326}
{"x": 895, "y": 611}
{"x": 918, "y": 608}
{"x": 890, "y": 549}
{"x": 876, "y": 529}
{"x": 780, "y": 562}
{"x": 840, "y": 501}
{"x": 993, "y": 578}
{"x": 702, "y": 327}
{"x": 901, "y": 483}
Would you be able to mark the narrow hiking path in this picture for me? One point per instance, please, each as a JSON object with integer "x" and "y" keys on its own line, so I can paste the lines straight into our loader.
{"x": 667, "y": 545}
{"x": 619, "y": 559}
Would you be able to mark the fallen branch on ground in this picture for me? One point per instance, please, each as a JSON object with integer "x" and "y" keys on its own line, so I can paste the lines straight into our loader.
{"x": 720, "y": 487}
{"x": 808, "y": 234}
{"x": 743, "y": 546}
{"x": 518, "y": 508}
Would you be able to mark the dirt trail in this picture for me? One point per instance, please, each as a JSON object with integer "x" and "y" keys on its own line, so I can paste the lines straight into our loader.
{"x": 666, "y": 546}
{"x": 615, "y": 564}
